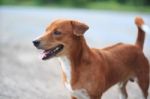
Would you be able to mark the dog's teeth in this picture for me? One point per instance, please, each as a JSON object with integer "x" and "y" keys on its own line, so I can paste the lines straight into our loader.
{"x": 57, "y": 48}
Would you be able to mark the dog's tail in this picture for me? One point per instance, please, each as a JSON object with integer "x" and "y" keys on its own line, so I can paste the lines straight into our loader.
{"x": 142, "y": 29}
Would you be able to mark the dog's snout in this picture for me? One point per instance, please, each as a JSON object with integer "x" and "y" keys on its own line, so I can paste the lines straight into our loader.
{"x": 36, "y": 43}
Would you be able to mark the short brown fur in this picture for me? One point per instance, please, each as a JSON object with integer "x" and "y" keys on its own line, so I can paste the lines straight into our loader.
{"x": 96, "y": 70}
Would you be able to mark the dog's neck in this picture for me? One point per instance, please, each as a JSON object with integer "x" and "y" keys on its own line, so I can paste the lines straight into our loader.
{"x": 80, "y": 52}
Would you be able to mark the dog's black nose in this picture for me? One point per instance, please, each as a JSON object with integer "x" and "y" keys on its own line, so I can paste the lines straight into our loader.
{"x": 36, "y": 43}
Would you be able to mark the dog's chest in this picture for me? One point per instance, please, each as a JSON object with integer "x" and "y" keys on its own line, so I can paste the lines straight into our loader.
{"x": 66, "y": 67}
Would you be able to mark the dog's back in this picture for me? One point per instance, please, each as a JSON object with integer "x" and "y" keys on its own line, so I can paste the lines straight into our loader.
{"x": 126, "y": 61}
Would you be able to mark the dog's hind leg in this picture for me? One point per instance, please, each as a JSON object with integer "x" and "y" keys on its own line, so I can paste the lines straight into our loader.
{"x": 123, "y": 92}
{"x": 143, "y": 79}
{"x": 143, "y": 82}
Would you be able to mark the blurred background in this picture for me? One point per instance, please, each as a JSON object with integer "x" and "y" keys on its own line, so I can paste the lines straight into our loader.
{"x": 23, "y": 75}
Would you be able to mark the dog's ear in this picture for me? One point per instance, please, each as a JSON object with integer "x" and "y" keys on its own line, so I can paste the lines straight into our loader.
{"x": 79, "y": 28}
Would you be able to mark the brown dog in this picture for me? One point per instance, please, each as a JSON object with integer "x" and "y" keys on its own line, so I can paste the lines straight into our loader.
{"x": 88, "y": 73}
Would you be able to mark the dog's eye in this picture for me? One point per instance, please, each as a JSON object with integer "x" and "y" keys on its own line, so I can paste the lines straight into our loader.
{"x": 57, "y": 33}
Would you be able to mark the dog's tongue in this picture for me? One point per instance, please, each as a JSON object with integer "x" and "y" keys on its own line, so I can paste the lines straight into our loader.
{"x": 44, "y": 55}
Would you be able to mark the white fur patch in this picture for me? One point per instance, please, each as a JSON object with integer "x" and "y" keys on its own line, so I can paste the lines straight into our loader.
{"x": 65, "y": 64}
{"x": 146, "y": 29}
{"x": 78, "y": 93}
{"x": 68, "y": 86}
{"x": 122, "y": 95}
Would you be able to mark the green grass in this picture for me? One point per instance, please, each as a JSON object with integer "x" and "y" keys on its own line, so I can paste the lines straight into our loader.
{"x": 105, "y": 5}
{"x": 117, "y": 7}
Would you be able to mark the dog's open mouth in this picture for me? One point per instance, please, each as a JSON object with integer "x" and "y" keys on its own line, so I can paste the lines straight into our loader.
{"x": 46, "y": 54}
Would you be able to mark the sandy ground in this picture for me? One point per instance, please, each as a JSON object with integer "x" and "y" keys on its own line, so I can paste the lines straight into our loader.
{"x": 24, "y": 76}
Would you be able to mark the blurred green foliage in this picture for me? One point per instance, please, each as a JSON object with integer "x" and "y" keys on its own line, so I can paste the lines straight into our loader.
{"x": 76, "y": 3}
{"x": 95, "y": 4}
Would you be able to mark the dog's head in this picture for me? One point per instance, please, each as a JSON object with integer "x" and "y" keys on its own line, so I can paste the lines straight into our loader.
{"x": 59, "y": 37}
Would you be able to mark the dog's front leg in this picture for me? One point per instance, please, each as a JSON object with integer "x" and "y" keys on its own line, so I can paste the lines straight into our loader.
{"x": 72, "y": 97}
{"x": 91, "y": 97}
{"x": 95, "y": 97}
